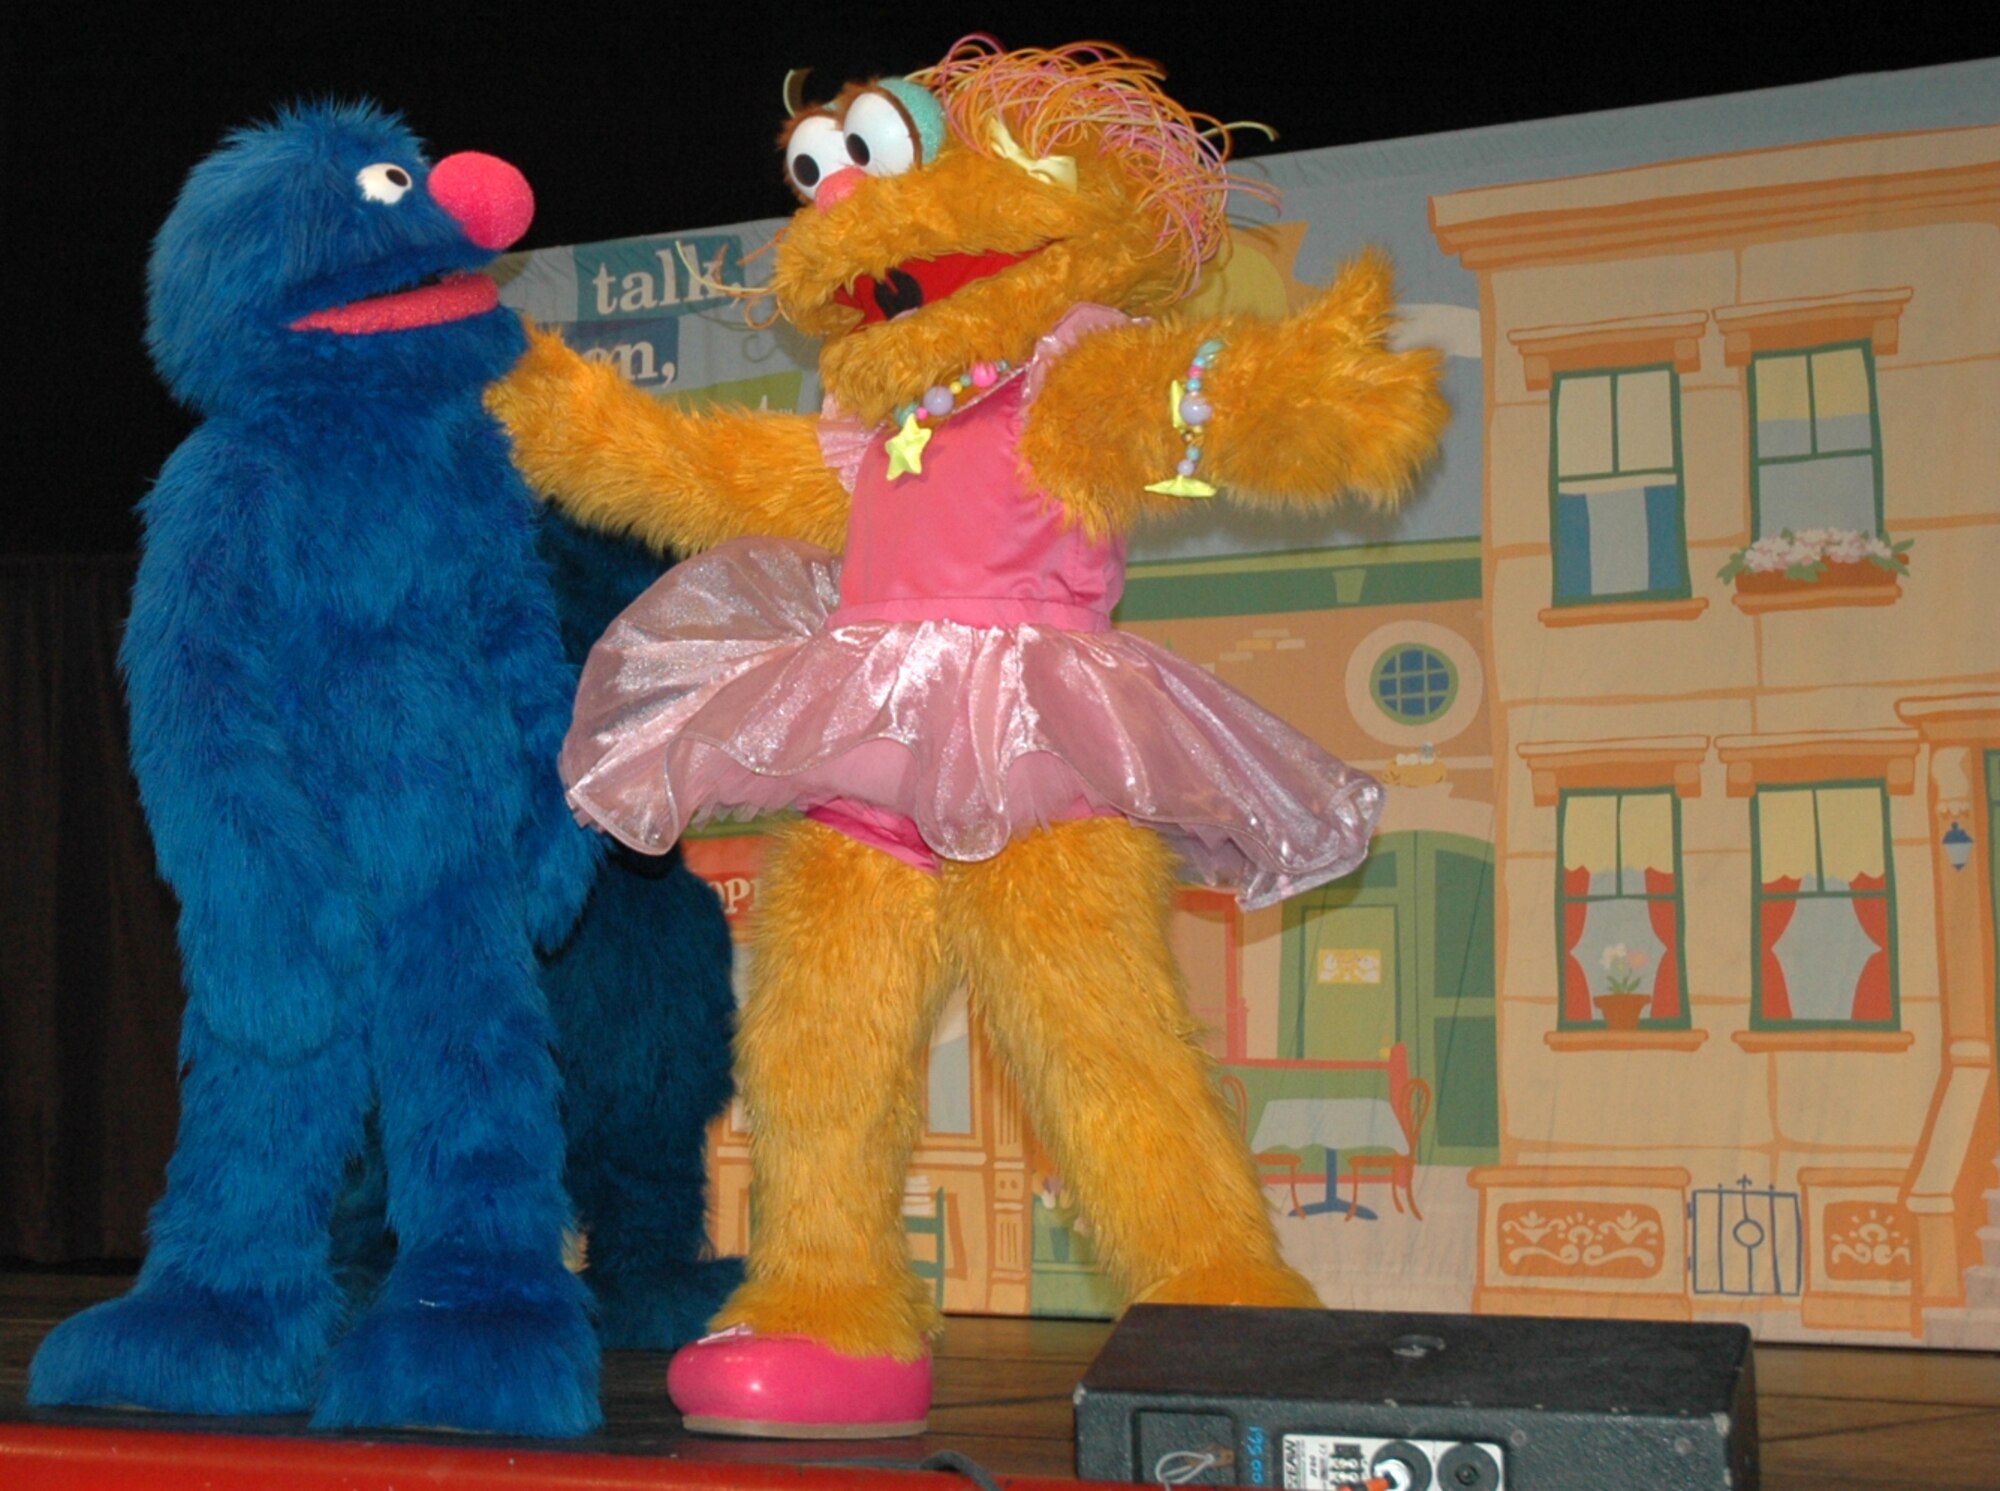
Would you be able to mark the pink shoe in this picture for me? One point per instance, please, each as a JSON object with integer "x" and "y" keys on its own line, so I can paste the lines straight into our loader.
{"x": 789, "y": 1387}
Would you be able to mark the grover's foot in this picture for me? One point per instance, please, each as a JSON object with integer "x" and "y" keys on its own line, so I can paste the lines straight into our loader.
{"x": 175, "y": 1347}
{"x": 788, "y": 1387}
{"x": 469, "y": 1342}
{"x": 665, "y": 1309}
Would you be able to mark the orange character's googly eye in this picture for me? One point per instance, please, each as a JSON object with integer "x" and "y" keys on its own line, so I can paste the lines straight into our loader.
{"x": 879, "y": 136}
{"x": 814, "y": 149}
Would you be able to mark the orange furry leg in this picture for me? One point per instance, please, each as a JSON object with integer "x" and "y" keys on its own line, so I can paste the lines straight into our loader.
{"x": 844, "y": 989}
{"x": 1064, "y": 941}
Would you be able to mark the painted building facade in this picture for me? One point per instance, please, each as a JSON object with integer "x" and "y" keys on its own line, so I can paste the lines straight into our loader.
{"x": 1742, "y": 494}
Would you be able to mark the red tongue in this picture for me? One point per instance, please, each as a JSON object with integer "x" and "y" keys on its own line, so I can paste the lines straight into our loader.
{"x": 920, "y": 282}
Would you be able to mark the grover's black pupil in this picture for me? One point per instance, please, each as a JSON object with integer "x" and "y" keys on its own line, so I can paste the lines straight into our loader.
{"x": 398, "y": 176}
{"x": 805, "y": 170}
{"x": 857, "y": 150}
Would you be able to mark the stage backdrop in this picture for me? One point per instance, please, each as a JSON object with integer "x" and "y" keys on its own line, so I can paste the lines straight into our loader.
{"x": 1668, "y": 989}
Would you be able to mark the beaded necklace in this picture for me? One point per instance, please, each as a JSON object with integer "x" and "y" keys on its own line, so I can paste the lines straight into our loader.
{"x": 916, "y": 420}
{"x": 1187, "y": 405}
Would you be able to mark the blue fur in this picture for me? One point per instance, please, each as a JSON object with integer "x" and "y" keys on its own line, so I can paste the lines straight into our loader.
{"x": 643, "y": 1006}
{"x": 637, "y": 1142}
{"x": 348, "y": 685}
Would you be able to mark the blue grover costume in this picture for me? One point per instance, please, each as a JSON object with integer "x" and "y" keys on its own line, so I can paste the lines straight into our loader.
{"x": 348, "y": 684}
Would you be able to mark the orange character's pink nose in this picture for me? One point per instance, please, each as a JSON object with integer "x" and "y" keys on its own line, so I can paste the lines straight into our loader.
{"x": 838, "y": 187}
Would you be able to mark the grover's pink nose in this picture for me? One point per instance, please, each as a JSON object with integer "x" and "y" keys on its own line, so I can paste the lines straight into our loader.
{"x": 489, "y": 198}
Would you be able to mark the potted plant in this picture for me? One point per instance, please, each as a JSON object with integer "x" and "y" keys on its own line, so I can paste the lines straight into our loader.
{"x": 1063, "y": 1219}
{"x": 1622, "y": 1005}
{"x": 1834, "y": 557}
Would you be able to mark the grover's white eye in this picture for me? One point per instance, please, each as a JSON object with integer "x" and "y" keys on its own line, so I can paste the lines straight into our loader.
{"x": 814, "y": 150}
{"x": 879, "y": 136}
{"x": 383, "y": 182}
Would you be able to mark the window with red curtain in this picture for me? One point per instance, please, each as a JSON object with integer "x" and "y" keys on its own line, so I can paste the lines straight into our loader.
{"x": 1824, "y": 914}
{"x": 1620, "y": 918}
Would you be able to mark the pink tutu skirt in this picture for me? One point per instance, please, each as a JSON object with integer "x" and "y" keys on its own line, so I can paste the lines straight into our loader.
{"x": 723, "y": 693}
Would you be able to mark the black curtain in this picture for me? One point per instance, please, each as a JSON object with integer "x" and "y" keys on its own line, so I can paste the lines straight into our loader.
{"x": 90, "y": 995}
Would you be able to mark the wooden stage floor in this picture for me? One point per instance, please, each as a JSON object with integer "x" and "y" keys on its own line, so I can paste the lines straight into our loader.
{"x": 1832, "y": 1419}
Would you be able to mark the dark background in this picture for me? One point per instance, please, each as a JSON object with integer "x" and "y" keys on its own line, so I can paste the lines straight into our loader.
{"x": 640, "y": 119}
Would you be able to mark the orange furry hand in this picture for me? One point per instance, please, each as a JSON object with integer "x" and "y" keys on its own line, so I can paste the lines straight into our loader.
{"x": 537, "y": 400}
{"x": 1319, "y": 404}
{"x": 1306, "y": 409}
{"x": 613, "y": 457}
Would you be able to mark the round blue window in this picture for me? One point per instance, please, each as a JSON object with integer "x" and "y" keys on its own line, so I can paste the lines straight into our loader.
{"x": 1413, "y": 683}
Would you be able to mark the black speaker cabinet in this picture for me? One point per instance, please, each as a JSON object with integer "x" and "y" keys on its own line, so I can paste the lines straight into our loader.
{"x": 1219, "y": 1396}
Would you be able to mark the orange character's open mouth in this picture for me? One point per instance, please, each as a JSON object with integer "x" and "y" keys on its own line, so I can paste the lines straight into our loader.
{"x": 920, "y": 282}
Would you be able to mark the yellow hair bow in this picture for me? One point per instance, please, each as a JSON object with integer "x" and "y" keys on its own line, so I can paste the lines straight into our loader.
{"x": 1057, "y": 170}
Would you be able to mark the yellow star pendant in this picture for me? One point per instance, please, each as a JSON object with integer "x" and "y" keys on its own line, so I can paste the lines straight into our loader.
{"x": 906, "y": 448}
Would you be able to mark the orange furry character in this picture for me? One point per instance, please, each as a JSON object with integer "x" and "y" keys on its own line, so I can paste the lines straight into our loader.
{"x": 999, "y": 787}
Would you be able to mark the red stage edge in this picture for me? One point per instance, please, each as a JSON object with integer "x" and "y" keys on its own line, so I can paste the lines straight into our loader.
{"x": 37, "y": 1457}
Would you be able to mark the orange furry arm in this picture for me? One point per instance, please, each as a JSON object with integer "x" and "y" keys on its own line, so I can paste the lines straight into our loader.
{"x": 613, "y": 457}
{"x": 1306, "y": 408}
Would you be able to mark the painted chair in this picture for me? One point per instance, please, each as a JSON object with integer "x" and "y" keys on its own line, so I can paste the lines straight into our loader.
{"x": 1398, "y": 1171}
{"x": 934, "y": 1227}
{"x": 1273, "y": 1165}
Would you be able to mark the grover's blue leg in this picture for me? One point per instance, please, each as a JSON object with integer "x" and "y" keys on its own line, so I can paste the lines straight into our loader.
{"x": 236, "y": 1307}
{"x": 363, "y": 1247}
{"x": 478, "y": 1326}
{"x": 644, "y": 1013}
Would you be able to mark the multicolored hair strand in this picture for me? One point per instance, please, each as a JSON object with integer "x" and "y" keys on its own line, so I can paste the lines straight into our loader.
{"x": 1096, "y": 95}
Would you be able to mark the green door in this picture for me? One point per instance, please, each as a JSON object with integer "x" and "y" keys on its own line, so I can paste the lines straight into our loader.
{"x": 1350, "y": 998}
{"x": 1346, "y": 949}
{"x": 1455, "y": 1000}
{"x": 1402, "y": 950}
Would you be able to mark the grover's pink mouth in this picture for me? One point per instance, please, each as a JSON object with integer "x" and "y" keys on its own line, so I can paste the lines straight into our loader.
{"x": 453, "y": 298}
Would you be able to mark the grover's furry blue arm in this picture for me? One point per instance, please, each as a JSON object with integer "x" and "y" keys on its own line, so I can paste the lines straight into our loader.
{"x": 214, "y": 760}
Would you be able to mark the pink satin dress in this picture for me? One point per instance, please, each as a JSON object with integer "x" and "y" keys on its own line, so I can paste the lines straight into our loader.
{"x": 952, "y": 682}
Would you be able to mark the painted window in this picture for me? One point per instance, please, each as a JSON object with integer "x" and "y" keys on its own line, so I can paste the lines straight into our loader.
{"x": 1413, "y": 683}
{"x": 1817, "y": 454}
{"x": 1615, "y": 457}
{"x": 1824, "y": 909}
{"x": 1620, "y": 922}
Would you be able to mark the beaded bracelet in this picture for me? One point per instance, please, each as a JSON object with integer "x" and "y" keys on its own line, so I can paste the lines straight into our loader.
{"x": 1191, "y": 410}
